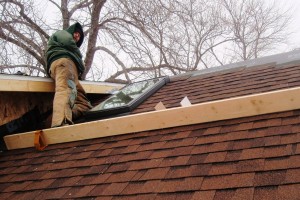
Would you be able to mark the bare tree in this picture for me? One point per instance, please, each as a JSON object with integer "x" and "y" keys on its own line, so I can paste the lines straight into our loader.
{"x": 176, "y": 37}
{"x": 20, "y": 32}
{"x": 128, "y": 39}
{"x": 257, "y": 26}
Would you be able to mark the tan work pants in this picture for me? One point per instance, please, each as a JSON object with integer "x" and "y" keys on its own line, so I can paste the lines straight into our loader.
{"x": 70, "y": 100}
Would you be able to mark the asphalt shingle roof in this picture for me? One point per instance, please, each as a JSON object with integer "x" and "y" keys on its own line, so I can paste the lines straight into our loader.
{"x": 254, "y": 157}
{"x": 248, "y": 158}
{"x": 222, "y": 85}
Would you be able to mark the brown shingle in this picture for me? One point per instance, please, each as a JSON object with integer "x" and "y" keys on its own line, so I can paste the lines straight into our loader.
{"x": 175, "y": 161}
{"x": 119, "y": 167}
{"x": 184, "y": 195}
{"x": 276, "y": 163}
{"x": 297, "y": 149}
{"x": 99, "y": 189}
{"x": 151, "y": 146}
{"x": 259, "y": 141}
{"x": 93, "y": 179}
{"x": 6, "y": 195}
{"x": 244, "y": 126}
{"x": 292, "y": 176}
{"x": 175, "y": 185}
{"x": 29, "y": 176}
{"x": 179, "y": 142}
{"x": 25, "y": 195}
{"x": 294, "y": 161}
{"x": 291, "y": 120}
{"x": 252, "y": 153}
{"x": 242, "y": 144}
{"x": 4, "y": 186}
{"x": 120, "y": 177}
{"x": 204, "y": 195}
{"x": 244, "y": 194}
{"x": 222, "y": 146}
{"x": 288, "y": 139}
{"x": 132, "y": 148}
{"x": 269, "y": 178}
{"x": 134, "y": 188}
{"x": 178, "y": 172}
{"x": 228, "y": 181}
{"x": 273, "y": 140}
{"x": 276, "y": 151}
{"x": 147, "y": 164}
{"x": 21, "y": 169}
{"x": 250, "y": 165}
{"x": 224, "y": 194}
{"x": 181, "y": 151}
{"x": 113, "y": 189}
{"x": 197, "y": 159}
{"x": 6, "y": 178}
{"x": 166, "y": 196}
{"x": 77, "y": 192}
{"x": 161, "y": 153}
{"x": 157, "y": 173}
{"x": 53, "y": 193}
{"x": 215, "y": 157}
{"x": 57, "y": 174}
{"x": 291, "y": 192}
{"x": 18, "y": 186}
{"x": 39, "y": 184}
{"x": 64, "y": 182}
{"x": 266, "y": 193}
{"x": 200, "y": 149}
{"x": 279, "y": 130}
{"x": 152, "y": 186}
{"x": 212, "y": 130}
{"x": 139, "y": 174}
{"x": 200, "y": 170}
{"x": 223, "y": 168}
{"x": 233, "y": 155}
{"x": 273, "y": 122}
{"x": 88, "y": 170}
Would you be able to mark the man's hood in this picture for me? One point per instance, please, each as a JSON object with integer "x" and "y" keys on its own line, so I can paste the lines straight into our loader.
{"x": 76, "y": 27}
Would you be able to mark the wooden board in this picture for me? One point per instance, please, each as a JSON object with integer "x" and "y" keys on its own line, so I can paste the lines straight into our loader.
{"x": 12, "y": 83}
{"x": 251, "y": 105}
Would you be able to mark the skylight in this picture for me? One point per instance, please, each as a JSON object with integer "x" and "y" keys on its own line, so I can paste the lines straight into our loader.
{"x": 126, "y": 99}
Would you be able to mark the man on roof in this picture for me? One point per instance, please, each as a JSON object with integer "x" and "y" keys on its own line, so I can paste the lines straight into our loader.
{"x": 65, "y": 66}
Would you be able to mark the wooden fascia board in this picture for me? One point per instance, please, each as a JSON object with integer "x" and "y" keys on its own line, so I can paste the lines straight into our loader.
{"x": 245, "y": 106}
{"x": 36, "y": 84}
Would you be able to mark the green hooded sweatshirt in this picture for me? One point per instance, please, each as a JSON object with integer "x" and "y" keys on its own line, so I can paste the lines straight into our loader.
{"x": 62, "y": 45}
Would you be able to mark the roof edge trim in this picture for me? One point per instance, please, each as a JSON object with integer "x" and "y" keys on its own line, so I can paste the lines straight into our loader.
{"x": 245, "y": 106}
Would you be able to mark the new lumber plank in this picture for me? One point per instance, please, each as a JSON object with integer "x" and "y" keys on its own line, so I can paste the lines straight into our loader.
{"x": 264, "y": 103}
{"x": 12, "y": 83}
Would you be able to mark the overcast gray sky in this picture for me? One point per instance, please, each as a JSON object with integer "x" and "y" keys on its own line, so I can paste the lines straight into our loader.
{"x": 294, "y": 40}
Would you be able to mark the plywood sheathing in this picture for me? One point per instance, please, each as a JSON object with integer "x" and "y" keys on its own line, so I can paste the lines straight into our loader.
{"x": 15, "y": 104}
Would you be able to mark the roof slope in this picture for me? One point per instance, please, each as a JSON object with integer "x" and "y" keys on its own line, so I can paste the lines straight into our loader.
{"x": 248, "y": 158}
{"x": 229, "y": 81}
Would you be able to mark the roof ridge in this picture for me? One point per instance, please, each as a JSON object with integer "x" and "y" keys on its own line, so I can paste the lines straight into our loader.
{"x": 277, "y": 59}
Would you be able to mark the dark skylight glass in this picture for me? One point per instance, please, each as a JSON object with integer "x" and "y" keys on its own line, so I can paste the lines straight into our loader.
{"x": 128, "y": 98}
